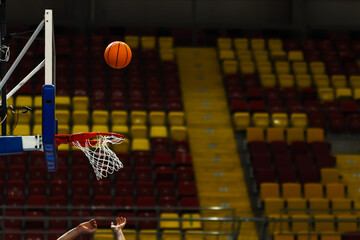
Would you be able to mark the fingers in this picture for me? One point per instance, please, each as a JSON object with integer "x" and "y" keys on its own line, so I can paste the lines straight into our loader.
{"x": 118, "y": 221}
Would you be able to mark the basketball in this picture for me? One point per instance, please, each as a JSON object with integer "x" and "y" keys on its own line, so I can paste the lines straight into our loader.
{"x": 117, "y": 54}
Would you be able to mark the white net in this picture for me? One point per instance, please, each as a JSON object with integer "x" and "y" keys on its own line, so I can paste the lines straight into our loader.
{"x": 103, "y": 160}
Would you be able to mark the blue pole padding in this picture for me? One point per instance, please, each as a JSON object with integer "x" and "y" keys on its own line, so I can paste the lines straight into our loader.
{"x": 11, "y": 145}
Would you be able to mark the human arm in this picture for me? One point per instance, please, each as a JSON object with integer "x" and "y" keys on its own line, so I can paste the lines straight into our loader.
{"x": 120, "y": 224}
{"x": 89, "y": 226}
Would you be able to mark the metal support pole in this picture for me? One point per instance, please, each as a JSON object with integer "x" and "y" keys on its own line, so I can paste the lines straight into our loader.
{"x": 3, "y": 41}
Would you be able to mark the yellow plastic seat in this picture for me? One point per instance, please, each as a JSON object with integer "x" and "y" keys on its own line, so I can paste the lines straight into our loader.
{"x": 169, "y": 224}
{"x": 284, "y": 236}
{"x": 291, "y": 190}
{"x": 171, "y": 235}
{"x": 119, "y": 117}
{"x": 37, "y": 129}
{"x": 123, "y": 147}
{"x": 190, "y": 224}
{"x": 275, "y": 134}
{"x": 296, "y": 206}
{"x": 299, "y": 120}
{"x": 326, "y": 94}
{"x": 63, "y": 116}
{"x": 261, "y": 120}
{"x": 282, "y": 67}
{"x": 321, "y": 225}
{"x": 356, "y": 94}
{"x": 280, "y": 224}
{"x": 346, "y": 223}
{"x": 230, "y": 66}
{"x": 63, "y": 129}
{"x": 104, "y": 234}
{"x": 241, "y": 43}
{"x": 257, "y": 43}
{"x": 178, "y": 132}
{"x": 167, "y": 54}
{"x": 319, "y": 206}
{"x": 306, "y": 235}
{"x": 269, "y": 190}
{"x": 273, "y": 206}
{"x": 23, "y": 117}
{"x": 335, "y": 190}
{"x": 140, "y": 144}
{"x": 354, "y": 81}
{"x": 139, "y": 131}
{"x": 194, "y": 235}
{"x": 224, "y": 43}
{"x": 166, "y": 42}
{"x": 227, "y": 54}
{"x": 339, "y": 81}
{"x": 317, "y": 67}
{"x": 275, "y": 44}
{"x": 315, "y": 135}
{"x": 158, "y": 132}
{"x": 37, "y": 115}
{"x": 157, "y": 118}
{"x": 241, "y": 120}
{"x": 132, "y": 41}
{"x": 24, "y": 100}
{"x": 100, "y": 128}
{"x": 268, "y": 80}
{"x": 286, "y": 80}
{"x": 313, "y": 190}
{"x": 148, "y": 234}
{"x": 254, "y": 134}
{"x": 80, "y": 128}
{"x": 300, "y": 222}
{"x": 176, "y": 118}
{"x": 247, "y": 67}
{"x": 148, "y": 42}
{"x": 37, "y": 102}
{"x": 22, "y": 130}
{"x": 326, "y": 235}
{"x": 261, "y": 55}
{"x": 62, "y": 102}
{"x": 341, "y": 206}
{"x": 80, "y": 103}
{"x": 279, "y": 120}
{"x": 244, "y": 55}
{"x": 329, "y": 175}
{"x": 294, "y": 134}
{"x": 300, "y": 67}
{"x": 122, "y": 129}
{"x": 343, "y": 93}
{"x": 264, "y": 67}
{"x": 100, "y": 117}
{"x": 295, "y": 55}
{"x": 303, "y": 80}
{"x": 321, "y": 81}
{"x": 80, "y": 117}
{"x": 138, "y": 117}
{"x": 131, "y": 234}
{"x": 278, "y": 55}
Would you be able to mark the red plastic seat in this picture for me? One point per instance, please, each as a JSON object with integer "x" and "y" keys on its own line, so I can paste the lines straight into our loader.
{"x": 124, "y": 202}
{"x": 312, "y": 106}
{"x": 286, "y": 175}
{"x": 336, "y": 122}
{"x": 58, "y": 187}
{"x": 37, "y": 173}
{"x": 257, "y": 147}
{"x": 353, "y": 122}
{"x": 235, "y": 92}
{"x": 143, "y": 173}
{"x": 84, "y": 214}
{"x": 15, "y": 187}
{"x": 187, "y": 189}
{"x": 13, "y": 223}
{"x": 257, "y": 106}
{"x": 57, "y": 201}
{"x": 58, "y": 223}
{"x": 304, "y": 161}
{"x": 325, "y": 161}
{"x": 60, "y": 174}
{"x": 155, "y": 104}
{"x": 184, "y": 174}
{"x": 320, "y": 147}
{"x": 174, "y": 104}
{"x": 146, "y": 203}
{"x": 165, "y": 189}
{"x": 124, "y": 188}
{"x": 190, "y": 204}
{"x": 125, "y": 158}
{"x": 81, "y": 200}
{"x": 15, "y": 200}
{"x": 16, "y": 172}
{"x": 80, "y": 172}
{"x": 18, "y": 159}
{"x": 317, "y": 120}
{"x": 168, "y": 202}
{"x": 80, "y": 187}
{"x": 36, "y": 187}
{"x": 308, "y": 175}
{"x": 102, "y": 201}
{"x": 309, "y": 94}
{"x": 260, "y": 160}
{"x": 254, "y": 93}
{"x": 264, "y": 175}
{"x": 160, "y": 144}
{"x": 101, "y": 187}
{"x": 144, "y": 188}
{"x": 275, "y": 106}
{"x": 291, "y": 93}
{"x": 278, "y": 147}
{"x": 35, "y": 223}
{"x": 163, "y": 173}
{"x": 142, "y": 158}
{"x": 147, "y": 223}
{"x": 180, "y": 146}
{"x": 294, "y": 106}
{"x": 125, "y": 174}
{"x": 299, "y": 147}
{"x": 237, "y": 105}
{"x": 283, "y": 160}
{"x": 183, "y": 159}
{"x": 331, "y": 107}
{"x": 349, "y": 106}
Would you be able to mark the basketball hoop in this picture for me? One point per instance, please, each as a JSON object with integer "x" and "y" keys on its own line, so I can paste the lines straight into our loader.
{"x": 95, "y": 146}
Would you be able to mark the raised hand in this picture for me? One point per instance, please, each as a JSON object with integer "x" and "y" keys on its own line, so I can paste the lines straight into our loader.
{"x": 120, "y": 224}
{"x": 89, "y": 226}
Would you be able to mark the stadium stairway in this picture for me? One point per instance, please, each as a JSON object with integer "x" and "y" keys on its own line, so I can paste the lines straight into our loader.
{"x": 219, "y": 175}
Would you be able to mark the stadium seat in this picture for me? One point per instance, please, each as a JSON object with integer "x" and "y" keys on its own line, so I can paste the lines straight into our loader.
{"x": 296, "y": 206}
{"x": 294, "y": 134}
{"x": 261, "y": 120}
{"x": 273, "y": 206}
{"x": 335, "y": 190}
{"x": 291, "y": 190}
{"x": 80, "y": 103}
{"x": 241, "y": 120}
{"x": 341, "y": 206}
{"x": 279, "y": 120}
{"x": 275, "y": 134}
{"x": 321, "y": 225}
{"x": 346, "y": 223}
{"x": 329, "y": 175}
{"x": 269, "y": 190}
{"x": 119, "y": 117}
{"x": 300, "y": 222}
{"x": 158, "y": 132}
{"x": 319, "y": 206}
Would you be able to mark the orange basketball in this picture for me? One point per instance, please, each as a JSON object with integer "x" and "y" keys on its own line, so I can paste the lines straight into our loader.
{"x": 117, "y": 55}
